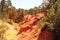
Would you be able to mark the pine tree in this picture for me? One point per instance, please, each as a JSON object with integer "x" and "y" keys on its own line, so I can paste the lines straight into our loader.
{"x": 53, "y": 18}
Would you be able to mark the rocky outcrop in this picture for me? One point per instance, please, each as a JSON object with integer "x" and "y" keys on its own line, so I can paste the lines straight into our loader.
{"x": 28, "y": 29}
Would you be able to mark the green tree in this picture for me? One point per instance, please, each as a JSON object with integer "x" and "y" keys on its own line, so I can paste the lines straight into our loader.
{"x": 53, "y": 18}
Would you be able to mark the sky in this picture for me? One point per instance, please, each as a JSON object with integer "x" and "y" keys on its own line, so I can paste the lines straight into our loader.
{"x": 26, "y": 4}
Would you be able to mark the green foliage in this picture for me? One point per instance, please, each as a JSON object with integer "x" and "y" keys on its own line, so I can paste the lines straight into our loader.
{"x": 53, "y": 15}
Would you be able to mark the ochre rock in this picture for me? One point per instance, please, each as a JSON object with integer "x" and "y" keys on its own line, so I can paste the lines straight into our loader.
{"x": 28, "y": 29}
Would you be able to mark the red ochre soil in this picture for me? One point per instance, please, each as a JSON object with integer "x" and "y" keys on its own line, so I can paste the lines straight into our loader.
{"x": 28, "y": 29}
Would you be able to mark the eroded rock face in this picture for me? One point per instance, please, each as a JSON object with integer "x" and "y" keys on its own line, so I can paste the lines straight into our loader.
{"x": 28, "y": 29}
{"x": 45, "y": 35}
{"x": 29, "y": 21}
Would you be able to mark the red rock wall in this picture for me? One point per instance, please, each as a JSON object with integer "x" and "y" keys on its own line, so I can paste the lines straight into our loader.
{"x": 28, "y": 29}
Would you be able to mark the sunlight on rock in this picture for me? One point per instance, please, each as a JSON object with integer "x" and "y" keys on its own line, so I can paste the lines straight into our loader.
{"x": 10, "y": 34}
